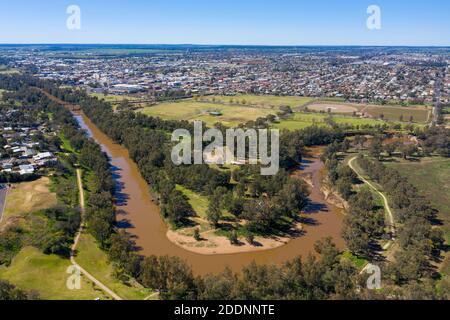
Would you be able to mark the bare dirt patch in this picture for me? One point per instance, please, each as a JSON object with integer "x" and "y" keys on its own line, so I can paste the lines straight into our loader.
{"x": 332, "y": 107}
{"x": 212, "y": 244}
{"x": 29, "y": 197}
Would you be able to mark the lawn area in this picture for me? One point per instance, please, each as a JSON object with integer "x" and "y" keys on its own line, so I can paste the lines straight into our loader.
{"x": 198, "y": 202}
{"x": 95, "y": 261}
{"x": 66, "y": 144}
{"x": 29, "y": 197}
{"x": 266, "y": 101}
{"x": 191, "y": 110}
{"x": 303, "y": 120}
{"x": 112, "y": 98}
{"x": 357, "y": 261}
{"x": 392, "y": 113}
{"x": 431, "y": 176}
{"x": 33, "y": 270}
{"x": 420, "y": 114}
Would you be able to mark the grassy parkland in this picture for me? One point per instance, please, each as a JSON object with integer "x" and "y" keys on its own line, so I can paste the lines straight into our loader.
{"x": 233, "y": 111}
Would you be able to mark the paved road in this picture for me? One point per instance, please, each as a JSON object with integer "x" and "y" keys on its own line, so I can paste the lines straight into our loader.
{"x": 75, "y": 244}
{"x": 3, "y": 192}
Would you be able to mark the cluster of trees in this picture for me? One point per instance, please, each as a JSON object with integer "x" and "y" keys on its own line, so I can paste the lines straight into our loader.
{"x": 100, "y": 213}
{"x": 363, "y": 224}
{"x": 10, "y": 292}
{"x": 377, "y": 149}
{"x": 264, "y": 200}
{"x": 419, "y": 242}
{"x": 339, "y": 175}
{"x": 12, "y": 177}
{"x": 435, "y": 139}
{"x": 327, "y": 277}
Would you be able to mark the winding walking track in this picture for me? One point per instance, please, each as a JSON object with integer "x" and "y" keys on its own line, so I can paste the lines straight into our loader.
{"x": 77, "y": 238}
{"x": 385, "y": 201}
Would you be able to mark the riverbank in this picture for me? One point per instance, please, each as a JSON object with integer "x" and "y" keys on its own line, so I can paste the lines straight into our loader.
{"x": 140, "y": 216}
{"x": 213, "y": 244}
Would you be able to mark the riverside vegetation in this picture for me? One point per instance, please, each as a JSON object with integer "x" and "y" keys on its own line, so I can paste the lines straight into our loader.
{"x": 328, "y": 275}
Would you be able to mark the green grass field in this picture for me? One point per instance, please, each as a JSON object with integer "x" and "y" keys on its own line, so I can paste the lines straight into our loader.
{"x": 95, "y": 261}
{"x": 419, "y": 113}
{"x": 265, "y": 101}
{"x": 112, "y": 98}
{"x": 393, "y": 113}
{"x": 65, "y": 143}
{"x": 33, "y": 270}
{"x": 242, "y": 108}
{"x": 303, "y": 120}
{"x": 357, "y": 261}
{"x": 198, "y": 202}
{"x": 191, "y": 110}
{"x": 431, "y": 176}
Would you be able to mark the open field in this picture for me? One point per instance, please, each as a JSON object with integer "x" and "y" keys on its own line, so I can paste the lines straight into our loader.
{"x": 243, "y": 108}
{"x": 112, "y": 98}
{"x": 420, "y": 114}
{"x": 95, "y": 261}
{"x": 431, "y": 176}
{"x": 191, "y": 110}
{"x": 33, "y": 270}
{"x": 393, "y": 113}
{"x": 29, "y": 197}
{"x": 303, "y": 120}
{"x": 264, "y": 101}
{"x": 333, "y": 107}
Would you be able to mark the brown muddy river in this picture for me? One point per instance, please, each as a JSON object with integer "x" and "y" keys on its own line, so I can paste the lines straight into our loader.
{"x": 140, "y": 216}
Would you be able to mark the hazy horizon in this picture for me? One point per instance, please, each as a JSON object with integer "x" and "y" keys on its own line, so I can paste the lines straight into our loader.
{"x": 249, "y": 23}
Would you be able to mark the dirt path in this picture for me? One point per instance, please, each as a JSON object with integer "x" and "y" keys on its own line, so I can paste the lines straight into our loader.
{"x": 385, "y": 200}
{"x": 77, "y": 238}
{"x": 3, "y": 194}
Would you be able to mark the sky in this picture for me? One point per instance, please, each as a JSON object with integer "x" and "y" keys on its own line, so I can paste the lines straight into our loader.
{"x": 239, "y": 22}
